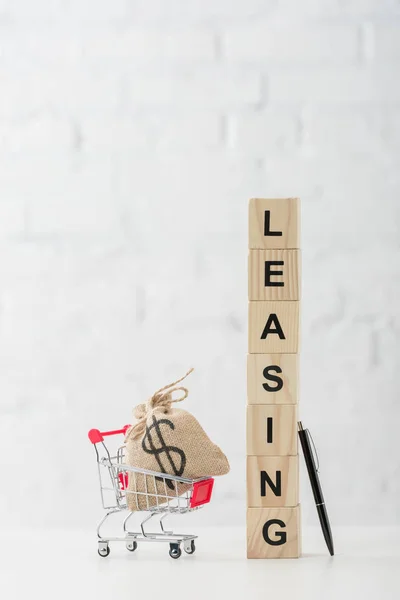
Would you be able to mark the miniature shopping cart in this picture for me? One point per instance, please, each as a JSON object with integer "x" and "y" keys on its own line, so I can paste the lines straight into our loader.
{"x": 115, "y": 476}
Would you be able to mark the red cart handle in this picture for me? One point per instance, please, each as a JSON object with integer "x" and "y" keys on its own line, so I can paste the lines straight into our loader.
{"x": 96, "y": 436}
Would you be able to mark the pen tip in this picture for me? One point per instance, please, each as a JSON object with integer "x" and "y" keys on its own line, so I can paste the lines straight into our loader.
{"x": 300, "y": 426}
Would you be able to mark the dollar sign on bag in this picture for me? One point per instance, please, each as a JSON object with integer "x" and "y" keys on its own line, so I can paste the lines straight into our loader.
{"x": 177, "y": 463}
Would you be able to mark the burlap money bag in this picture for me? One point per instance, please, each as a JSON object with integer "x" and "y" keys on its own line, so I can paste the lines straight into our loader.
{"x": 167, "y": 440}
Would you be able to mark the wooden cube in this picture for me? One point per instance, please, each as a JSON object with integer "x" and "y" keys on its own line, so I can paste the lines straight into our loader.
{"x": 274, "y": 274}
{"x": 272, "y": 430}
{"x": 273, "y": 532}
{"x": 273, "y": 327}
{"x": 272, "y": 481}
{"x": 274, "y": 223}
{"x": 272, "y": 378}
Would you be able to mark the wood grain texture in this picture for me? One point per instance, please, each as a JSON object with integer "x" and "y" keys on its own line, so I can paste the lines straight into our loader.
{"x": 284, "y": 430}
{"x": 286, "y": 532}
{"x": 261, "y": 389}
{"x": 284, "y": 218}
{"x": 283, "y": 472}
{"x": 288, "y": 315}
{"x": 263, "y": 285}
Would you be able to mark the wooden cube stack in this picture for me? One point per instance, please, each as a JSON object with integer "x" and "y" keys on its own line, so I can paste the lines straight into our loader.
{"x": 273, "y": 510}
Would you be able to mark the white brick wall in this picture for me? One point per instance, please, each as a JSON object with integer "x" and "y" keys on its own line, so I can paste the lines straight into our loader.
{"x": 217, "y": 87}
{"x": 292, "y": 44}
{"x": 131, "y": 136}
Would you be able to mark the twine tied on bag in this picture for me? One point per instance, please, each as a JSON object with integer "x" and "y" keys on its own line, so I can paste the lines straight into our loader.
{"x": 162, "y": 398}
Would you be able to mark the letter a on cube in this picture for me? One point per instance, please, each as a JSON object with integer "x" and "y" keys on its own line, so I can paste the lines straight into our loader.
{"x": 273, "y": 327}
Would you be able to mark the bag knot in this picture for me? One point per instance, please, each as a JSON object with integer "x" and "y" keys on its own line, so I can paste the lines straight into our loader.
{"x": 161, "y": 399}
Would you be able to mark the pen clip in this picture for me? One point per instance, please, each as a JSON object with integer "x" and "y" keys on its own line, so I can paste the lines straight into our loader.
{"x": 315, "y": 453}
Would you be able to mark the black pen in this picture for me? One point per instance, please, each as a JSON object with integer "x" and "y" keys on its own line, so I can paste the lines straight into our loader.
{"x": 312, "y": 469}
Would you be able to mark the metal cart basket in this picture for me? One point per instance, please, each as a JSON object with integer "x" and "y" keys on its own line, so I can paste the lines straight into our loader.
{"x": 162, "y": 499}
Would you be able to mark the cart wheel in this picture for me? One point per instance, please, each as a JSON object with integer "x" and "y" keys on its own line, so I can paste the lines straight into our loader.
{"x": 189, "y": 547}
{"x": 131, "y": 546}
{"x": 174, "y": 551}
{"x": 103, "y": 550}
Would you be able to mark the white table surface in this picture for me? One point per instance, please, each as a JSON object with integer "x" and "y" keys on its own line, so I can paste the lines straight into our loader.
{"x": 65, "y": 565}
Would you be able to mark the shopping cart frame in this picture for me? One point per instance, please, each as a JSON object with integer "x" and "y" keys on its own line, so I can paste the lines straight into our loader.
{"x": 113, "y": 470}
